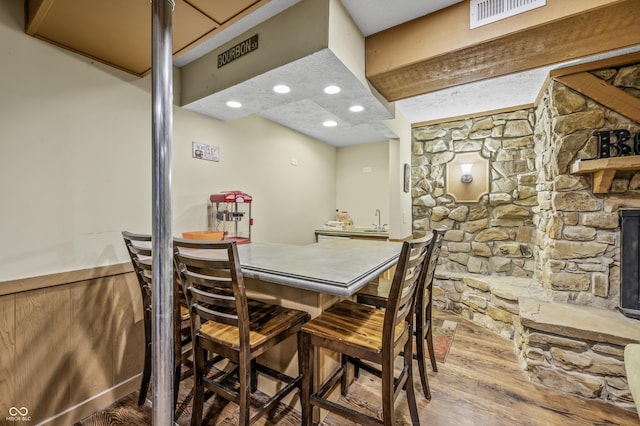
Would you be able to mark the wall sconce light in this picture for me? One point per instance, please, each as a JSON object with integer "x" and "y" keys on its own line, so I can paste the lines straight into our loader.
{"x": 466, "y": 176}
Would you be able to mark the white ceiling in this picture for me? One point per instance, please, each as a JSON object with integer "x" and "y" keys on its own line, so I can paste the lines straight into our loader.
{"x": 306, "y": 106}
{"x": 373, "y": 16}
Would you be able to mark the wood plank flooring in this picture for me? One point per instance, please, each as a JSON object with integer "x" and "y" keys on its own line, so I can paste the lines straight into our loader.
{"x": 481, "y": 384}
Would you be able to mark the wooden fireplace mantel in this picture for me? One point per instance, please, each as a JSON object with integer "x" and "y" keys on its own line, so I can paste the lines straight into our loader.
{"x": 604, "y": 169}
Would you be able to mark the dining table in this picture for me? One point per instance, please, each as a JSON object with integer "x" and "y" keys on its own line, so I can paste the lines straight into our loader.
{"x": 311, "y": 278}
{"x": 337, "y": 267}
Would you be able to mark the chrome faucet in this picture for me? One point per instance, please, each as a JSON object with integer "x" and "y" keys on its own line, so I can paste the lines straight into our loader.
{"x": 378, "y": 214}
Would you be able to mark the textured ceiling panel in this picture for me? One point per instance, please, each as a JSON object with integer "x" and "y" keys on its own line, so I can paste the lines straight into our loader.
{"x": 306, "y": 106}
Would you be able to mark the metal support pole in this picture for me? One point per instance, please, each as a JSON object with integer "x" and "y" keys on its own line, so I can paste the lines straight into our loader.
{"x": 162, "y": 339}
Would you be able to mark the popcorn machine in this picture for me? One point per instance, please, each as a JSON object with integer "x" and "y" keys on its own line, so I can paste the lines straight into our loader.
{"x": 230, "y": 212}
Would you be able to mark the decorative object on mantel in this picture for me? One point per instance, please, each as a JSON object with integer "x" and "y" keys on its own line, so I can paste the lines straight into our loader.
{"x": 467, "y": 177}
{"x": 605, "y": 166}
{"x": 622, "y": 149}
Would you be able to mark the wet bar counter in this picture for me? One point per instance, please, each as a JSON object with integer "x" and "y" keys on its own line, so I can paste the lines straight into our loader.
{"x": 353, "y": 233}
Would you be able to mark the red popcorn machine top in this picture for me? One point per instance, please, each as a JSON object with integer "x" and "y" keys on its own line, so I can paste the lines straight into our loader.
{"x": 230, "y": 212}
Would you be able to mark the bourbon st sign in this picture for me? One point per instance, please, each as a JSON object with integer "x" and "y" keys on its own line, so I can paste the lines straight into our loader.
{"x": 237, "y": 51}
{"x": 618, "y": 140}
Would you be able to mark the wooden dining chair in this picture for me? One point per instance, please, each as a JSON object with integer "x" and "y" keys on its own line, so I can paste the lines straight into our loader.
{"x": 366, "y": 333}
{"x": 225, "y": 322}
{"x": 140, "y": 251}
{"x": 376, "y": 293}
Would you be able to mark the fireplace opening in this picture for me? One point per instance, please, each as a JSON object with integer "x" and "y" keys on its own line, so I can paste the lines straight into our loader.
{"x": 630, "y": 262}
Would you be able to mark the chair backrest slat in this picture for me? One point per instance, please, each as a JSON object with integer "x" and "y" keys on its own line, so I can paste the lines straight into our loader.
{"x": 139, "y": 249}
{"x": 210, "y": 308}
{"x": 213, "y": 283}
{"x": 424, "y": 296}
{"x": 406, "y": 280}
{"x": 210, "y": 292}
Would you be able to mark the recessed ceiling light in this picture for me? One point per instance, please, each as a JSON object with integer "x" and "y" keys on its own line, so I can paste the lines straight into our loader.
{"x": 234, "y": 104}
{"x": 356, "y": 108}
{"x": 329, "y": 123}
{"x": 331, "y": 90}
{"x": 281, "y": 88}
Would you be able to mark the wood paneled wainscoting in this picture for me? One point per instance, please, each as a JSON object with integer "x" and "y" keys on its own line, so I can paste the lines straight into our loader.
{"x": 70, "y": 343}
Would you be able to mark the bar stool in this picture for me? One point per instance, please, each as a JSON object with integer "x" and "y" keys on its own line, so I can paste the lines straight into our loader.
{"x": 140, "y": 252}
{"x": 376, "y": 293}
{"x": 224, "y": 322}
{"x": 365, "y": 332}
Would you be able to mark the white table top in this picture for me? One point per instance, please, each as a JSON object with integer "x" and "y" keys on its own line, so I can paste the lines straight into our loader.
{"x": 338, "y": 267}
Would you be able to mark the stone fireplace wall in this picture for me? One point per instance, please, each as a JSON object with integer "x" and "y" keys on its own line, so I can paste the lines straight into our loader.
{"x": 537, "y": 259}
{"x": 538, "y": 220}
{"x": 577, "y": 231}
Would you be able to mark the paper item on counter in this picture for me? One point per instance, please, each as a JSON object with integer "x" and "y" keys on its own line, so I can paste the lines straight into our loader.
{"x": 334, "y": 224}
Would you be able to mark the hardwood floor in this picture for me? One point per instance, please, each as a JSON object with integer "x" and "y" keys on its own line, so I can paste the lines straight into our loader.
{"x": 481, "y": 384}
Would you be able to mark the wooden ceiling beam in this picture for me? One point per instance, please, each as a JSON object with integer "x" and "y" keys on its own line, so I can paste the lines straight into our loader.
{"x": 604, "y": 93}
{"x": 600, "y": 29}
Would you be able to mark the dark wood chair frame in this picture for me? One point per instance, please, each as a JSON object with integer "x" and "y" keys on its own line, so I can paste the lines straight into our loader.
{"x": 214, "y": 286}
{"x": 141, "y": 258}
{"x": 376, "y": 295}
{"x": 423, "y": 312}
{"x": 334, "y": 328}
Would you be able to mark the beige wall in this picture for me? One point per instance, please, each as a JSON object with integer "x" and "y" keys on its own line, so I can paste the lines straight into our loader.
{"x": 371, "y": 176}
{"x": 75, "y": 162}
{"x": 400, "y": 215}
{"x": 358, "y": 167}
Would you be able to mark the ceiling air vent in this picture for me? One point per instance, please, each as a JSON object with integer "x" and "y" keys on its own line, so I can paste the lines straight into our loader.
{"x": 486, "y": 11}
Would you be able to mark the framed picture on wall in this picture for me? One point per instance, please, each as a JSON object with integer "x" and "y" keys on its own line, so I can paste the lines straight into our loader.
{"x": 407, "y": 177}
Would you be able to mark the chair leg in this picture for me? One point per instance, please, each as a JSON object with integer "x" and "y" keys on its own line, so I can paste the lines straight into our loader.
{"x": 254, "y": 376}
{"x": 198, "y": 385}
{"x": 146, "y": 369}
{"x": 344, "y": 381}
{"x": 432, "y": 355}
{"x": 146, "y": 375}
{"x": 177, "y": 363}
{"x": 307, "y": 379}
{"x": 422, "y": 367}
{"x": 177, "y": 372}
{"x": 388, "y": 412}
{"x": 244, "y": 392}
{"x": 409, "y": 388}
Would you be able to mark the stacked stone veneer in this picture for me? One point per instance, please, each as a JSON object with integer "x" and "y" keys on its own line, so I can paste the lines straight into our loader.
{"x": 495, "y": 235}
{"x": 576, "y": 349}
{"x": 540, "y": 234}
{"x": 578, "y": 232}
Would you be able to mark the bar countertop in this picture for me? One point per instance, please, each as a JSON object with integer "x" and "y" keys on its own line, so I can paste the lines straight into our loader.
{"x": 338, "y": 267}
